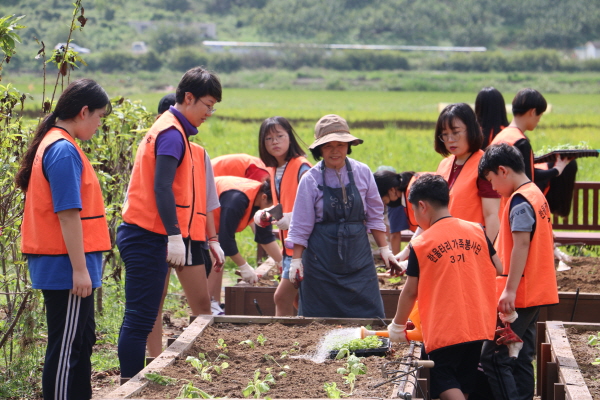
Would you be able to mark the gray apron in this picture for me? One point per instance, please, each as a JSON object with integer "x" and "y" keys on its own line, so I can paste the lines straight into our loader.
{"x": 340, "y": 279}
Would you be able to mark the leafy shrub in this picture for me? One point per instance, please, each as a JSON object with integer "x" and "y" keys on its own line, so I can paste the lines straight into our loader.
{"x": 184, "y": 58}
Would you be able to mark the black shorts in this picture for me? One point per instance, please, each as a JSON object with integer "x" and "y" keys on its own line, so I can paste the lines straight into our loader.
{"x": 200, "y": 254}
{"x": 455, "y": 368}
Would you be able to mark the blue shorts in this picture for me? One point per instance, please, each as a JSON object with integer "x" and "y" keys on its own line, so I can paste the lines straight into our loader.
{"x": 287, "y": 262}
{"x": 397, "y": 218}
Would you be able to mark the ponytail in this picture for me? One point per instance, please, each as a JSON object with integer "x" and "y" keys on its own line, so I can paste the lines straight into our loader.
{"x": 80, "y": 93}
{"x": 22, "y": 177}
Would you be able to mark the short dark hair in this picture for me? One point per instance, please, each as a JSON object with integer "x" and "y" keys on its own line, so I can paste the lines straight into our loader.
{"x": 269, "y": 125}
{"x": 199, "y": 82}
{"x": 431, "y": 188}
{"x": 316, "y": 152}
{"x": 526, "y": 99}
{"x": 166, "y": 102}
{"x": 498, "y": 155}
{"x": 490, "y": 110}
{"x": 265, "y": 188}
{"x": 465, "y": 113}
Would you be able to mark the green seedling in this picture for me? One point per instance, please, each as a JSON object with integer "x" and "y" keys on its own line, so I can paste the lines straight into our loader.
{"x": 159, "y": 379}
{"x": 594, "y": 340}
{"x": 221, "y": 345}
{"x": 332, "y": 390}
{"x": 249, "y": 343}
{"x": 189, "y": 391}
{"x": 370, "y": 342}
{"x": 596, "y": 361}
{"x": 285, "y": 353}
{"x": 205, "y": 367}
{"x": 258, "y": 386}
{"x": 261, "y": 339}
{"x": 351, "y": 369}
{"x": 395, "y": 279}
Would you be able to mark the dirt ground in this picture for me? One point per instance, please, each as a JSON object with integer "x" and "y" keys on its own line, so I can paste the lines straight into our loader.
{"x": 584, "y": 274}
{"x": 303, "y": 378}
{"x": 585, "y": 355}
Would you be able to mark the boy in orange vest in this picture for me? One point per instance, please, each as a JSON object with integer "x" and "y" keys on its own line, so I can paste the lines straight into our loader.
{"x": 451, "y": 270}
{"x": 528, "y": 281}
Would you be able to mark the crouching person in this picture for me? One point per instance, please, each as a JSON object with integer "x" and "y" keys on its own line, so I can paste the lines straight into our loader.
{"x": 451, "y": 271}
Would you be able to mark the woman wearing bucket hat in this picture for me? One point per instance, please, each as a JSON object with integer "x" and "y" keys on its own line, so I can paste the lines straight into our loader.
{"x": 337, "y": 201}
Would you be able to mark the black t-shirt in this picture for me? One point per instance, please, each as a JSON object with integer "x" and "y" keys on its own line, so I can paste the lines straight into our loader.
{"x": 233, "y": 207}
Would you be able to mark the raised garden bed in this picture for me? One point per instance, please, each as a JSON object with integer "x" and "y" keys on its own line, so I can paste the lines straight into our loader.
{"x": 564, "y": 369}
{"x": 287, "y": 337}
{"x": 584, "y": 274}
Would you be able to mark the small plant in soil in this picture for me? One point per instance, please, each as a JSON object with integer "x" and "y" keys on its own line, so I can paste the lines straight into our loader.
{"x": 351, "y": 369}
{"x": 159, "y": 379}
{"x": 189, "y": 391}
{"x": 205, "y": 367}
{"x": 295, "y": 348}
{"x": 594, "y": 340}
{"x": 221, "y": 345}
{"x": 258, "y": 386}
{"x": 249, "y": 343}
{"x": 332, "y": 390}
{"x": 370, "y": 342}
{"x": 261, "y": 339}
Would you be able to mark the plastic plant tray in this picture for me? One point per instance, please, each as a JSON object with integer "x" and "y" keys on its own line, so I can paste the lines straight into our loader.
{"x": 379, "y": 351}
{"x": 549, "y": 157}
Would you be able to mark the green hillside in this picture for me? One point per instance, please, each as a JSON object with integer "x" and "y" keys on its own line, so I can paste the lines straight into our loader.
{"x": 510, "y": 23}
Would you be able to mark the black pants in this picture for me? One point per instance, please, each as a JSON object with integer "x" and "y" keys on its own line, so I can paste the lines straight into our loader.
{"x": 71, "y": 336}
{"x": 510, "y": 378}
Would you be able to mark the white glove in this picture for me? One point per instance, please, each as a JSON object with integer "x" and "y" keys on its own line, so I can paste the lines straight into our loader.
{"x": 217, "y": 253}
{"x": 175, "y": 251}
{"x": 388, "y": 258}
{"x": 248, "y": 274}
{"x": 403, "y": 255}
{"x": 403, "y": 266}
{"x": 397, "y": 333}
{"x": 296, "y": 268}
{"x": 508, "y": 318}
{"x": 262, "y": 218}
{"x": 284, "y": 222}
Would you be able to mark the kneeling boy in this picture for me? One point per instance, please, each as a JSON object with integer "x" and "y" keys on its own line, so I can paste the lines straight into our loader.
{"x": 528, "y": 281}
{"x": 451, "y": 271}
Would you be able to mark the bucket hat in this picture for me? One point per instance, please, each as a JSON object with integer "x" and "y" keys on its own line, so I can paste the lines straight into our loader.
{"x": 333, "y": 128}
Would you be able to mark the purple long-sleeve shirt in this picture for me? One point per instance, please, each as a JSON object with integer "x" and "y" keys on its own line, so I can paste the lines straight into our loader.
{"x": 308, "y": 207}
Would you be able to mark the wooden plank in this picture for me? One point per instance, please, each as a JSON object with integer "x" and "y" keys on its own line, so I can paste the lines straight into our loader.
{"x": 539, "y": 339}
{"x": 568, "y": 372}
{"x": 545, "y": 355}
{"x": 166, "y": 358}
{"x": 559, "y": 391}
{"x": 551, "y": 379}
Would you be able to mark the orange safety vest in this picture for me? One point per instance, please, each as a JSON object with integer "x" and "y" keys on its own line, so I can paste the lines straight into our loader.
{"x": 543, "y": 166}
{"x": 198, "y": 224}
{"x": 538, "y": 284}
{"x": 287, "y": 191}
{"x": 41, "y": 232}
{"x": 247, "y": 186}
{"x": 465, "y": 202}
{"x": 456, "y": 279}
{"x": 512, "y": 135}
{"x": 235, "y": 164}
{"x": 140, "y": 203}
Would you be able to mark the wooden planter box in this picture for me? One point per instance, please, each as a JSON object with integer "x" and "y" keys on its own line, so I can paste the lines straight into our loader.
{"x": 247, "y": 300}
{"x": 134, "y": 386}
{"x": 558, "y": 375}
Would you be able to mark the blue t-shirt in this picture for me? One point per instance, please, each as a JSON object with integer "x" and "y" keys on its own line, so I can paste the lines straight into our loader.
{"x": 62, "y": 167}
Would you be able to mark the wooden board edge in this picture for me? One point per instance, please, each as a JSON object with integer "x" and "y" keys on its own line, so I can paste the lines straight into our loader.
{"x": 166, "y": 358}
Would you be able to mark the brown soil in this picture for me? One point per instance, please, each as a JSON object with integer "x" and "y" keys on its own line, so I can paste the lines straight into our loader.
{"x": 304, "y": 378}
{"x": 584, "y": 274}
{"x": 585, "y": 355}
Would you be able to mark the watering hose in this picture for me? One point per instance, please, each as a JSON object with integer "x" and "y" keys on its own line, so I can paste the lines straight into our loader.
{"x": 413, "y": 334}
